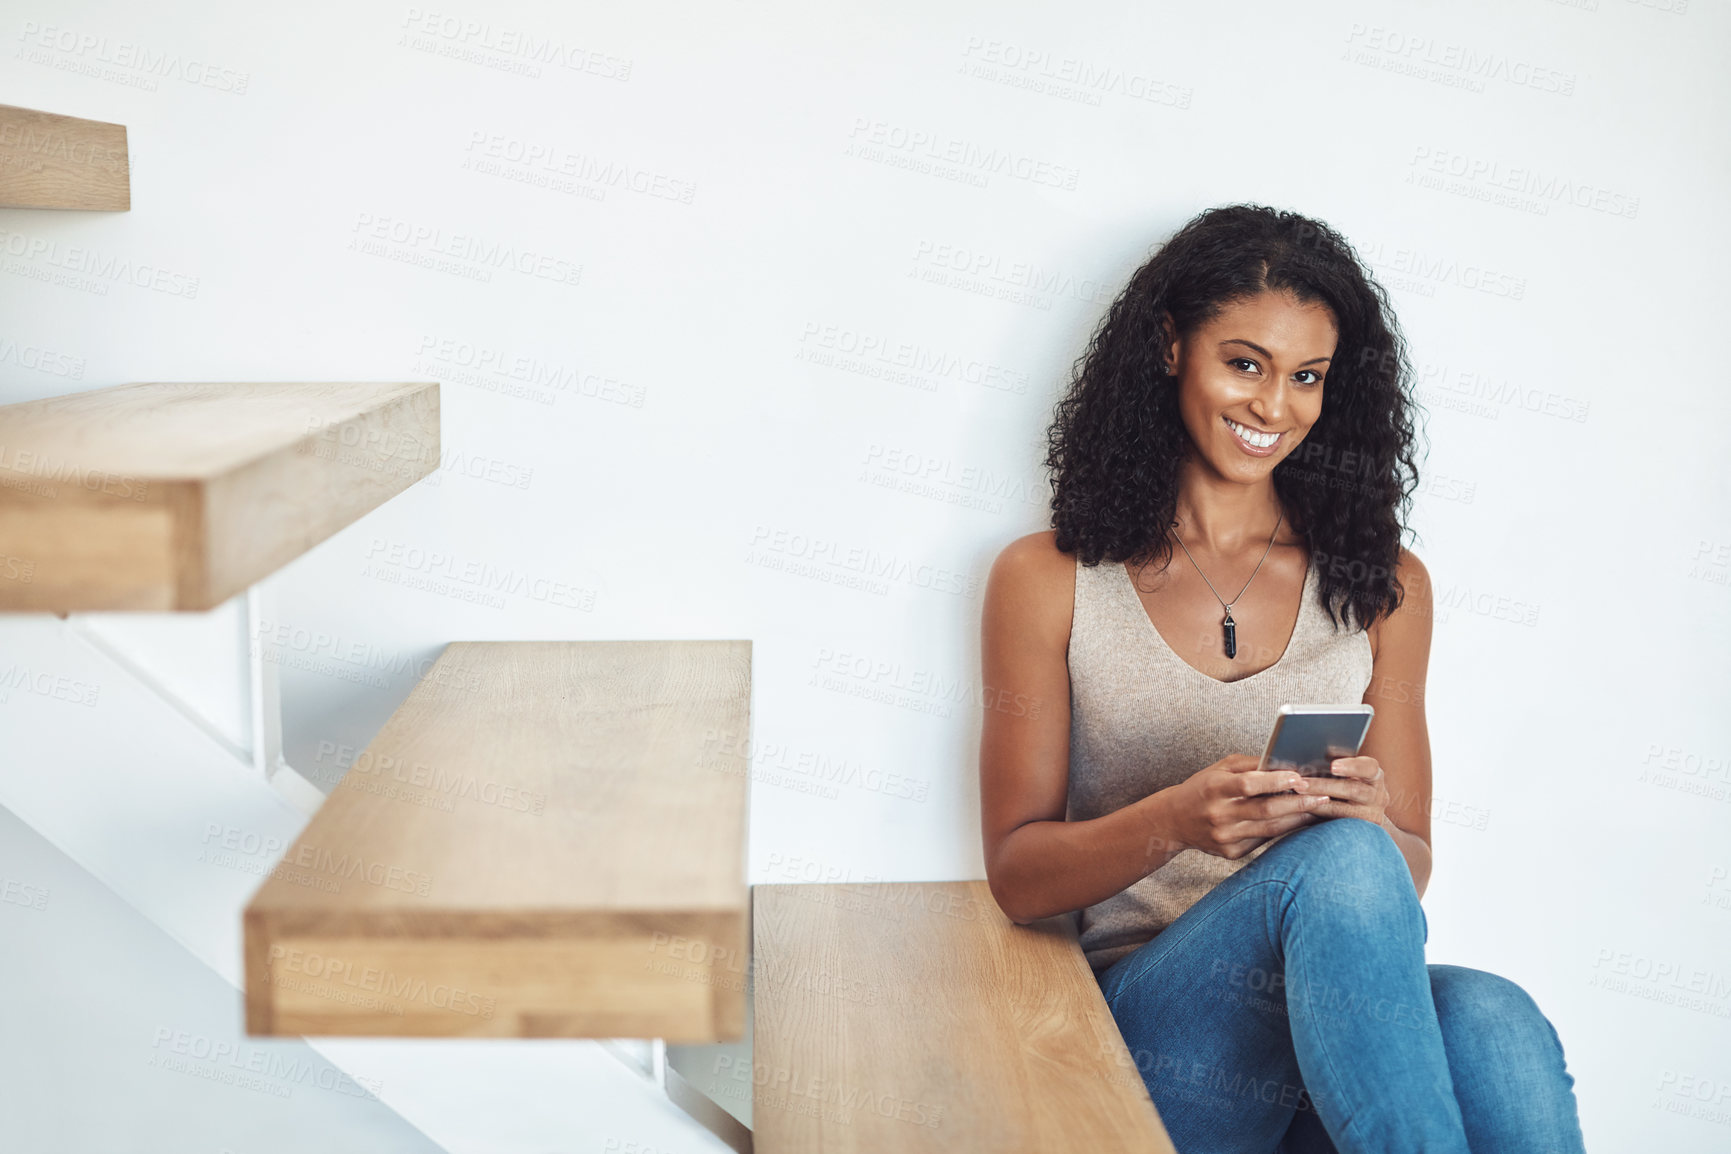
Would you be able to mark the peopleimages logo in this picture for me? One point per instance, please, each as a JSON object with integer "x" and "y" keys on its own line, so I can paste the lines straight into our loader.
{"x": 974, "y": 262}
{"x": 28, "y": 145}
{"x": 374, "y": 980}
{"x": 1066, "y": 77}
{"x": 453, "y": 784}
{"x": 454, "y": 358}
{"x": 326, "y": 863}
{"x": 554, "y": 160}
{"x": 456, "y": 36}
{"x": 838, "y": 346}
{"x": 85, "y": 53}
{"x": 1492, "y": 174}
{"x": 45, "y": 684}
{"x": 64, "y": 471}
{"x": 41, "y": 359}
{"x": 867, "y": 563}
{"x": 235, "y": 1061}
{"x": 1461, "y": 65}
{"x": 104, "y": 266}
{"x": 873, "y": 139}
{"x": 464, "y": 253}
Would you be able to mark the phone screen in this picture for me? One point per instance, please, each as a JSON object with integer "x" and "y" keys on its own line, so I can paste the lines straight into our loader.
{"x": 1307, "y": 742}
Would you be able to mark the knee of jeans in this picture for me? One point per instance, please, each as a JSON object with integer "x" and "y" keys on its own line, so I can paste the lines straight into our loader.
{"x": 1347, "y": 861}
{"x": 1480, "y": 1005}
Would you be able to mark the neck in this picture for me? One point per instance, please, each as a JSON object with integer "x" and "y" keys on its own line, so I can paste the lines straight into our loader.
{"x": 1226, "y": 519}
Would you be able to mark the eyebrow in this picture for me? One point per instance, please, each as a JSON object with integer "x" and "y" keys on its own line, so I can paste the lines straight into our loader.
{"x": 1265, "y": 352}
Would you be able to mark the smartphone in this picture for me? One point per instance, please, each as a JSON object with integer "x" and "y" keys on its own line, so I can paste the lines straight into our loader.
{"x": 1307, "y": 737}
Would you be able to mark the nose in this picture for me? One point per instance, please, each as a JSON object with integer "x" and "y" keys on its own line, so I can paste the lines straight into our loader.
{"x": 1270, "y": 403}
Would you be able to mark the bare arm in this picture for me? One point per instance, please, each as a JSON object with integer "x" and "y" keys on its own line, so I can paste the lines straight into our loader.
{"x": 1037, "y": 863}
{"x": 1398, "y": 737}
{"x": 1398, "y": 741}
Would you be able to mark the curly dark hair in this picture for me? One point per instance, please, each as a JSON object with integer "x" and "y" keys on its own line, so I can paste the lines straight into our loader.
{"x": 1117, "y": 440}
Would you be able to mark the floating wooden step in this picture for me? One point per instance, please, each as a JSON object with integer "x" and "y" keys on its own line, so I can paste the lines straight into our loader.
{"x": 916, "y": 1017}
{"x": 179, "y": 496}
{"x": 546, "y": 840}
{"x": 53, "y": 161}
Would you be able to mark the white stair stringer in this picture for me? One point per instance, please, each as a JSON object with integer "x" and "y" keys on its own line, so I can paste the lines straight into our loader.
{"x": 119, "y": 1039}
{"x": 166, "y": 814}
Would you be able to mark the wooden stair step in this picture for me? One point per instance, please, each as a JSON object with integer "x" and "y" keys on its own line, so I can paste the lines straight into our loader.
{"x": 916, "y": 1017}
{"x": 53, "y": 161}
{"x": 547, "y": 839}
{"x": 178, "y": 496}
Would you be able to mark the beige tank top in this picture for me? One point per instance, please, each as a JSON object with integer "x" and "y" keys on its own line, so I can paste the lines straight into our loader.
{"x": 1143, "y": 719}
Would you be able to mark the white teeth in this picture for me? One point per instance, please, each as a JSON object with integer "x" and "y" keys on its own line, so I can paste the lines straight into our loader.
{"x": 1260, "y": 440}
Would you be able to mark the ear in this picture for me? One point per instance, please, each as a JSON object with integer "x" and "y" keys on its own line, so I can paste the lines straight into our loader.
{"x": 1172, "y": 343}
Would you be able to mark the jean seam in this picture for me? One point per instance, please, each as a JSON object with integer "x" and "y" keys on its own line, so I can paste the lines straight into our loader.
{"x": 1353, "y": 1115}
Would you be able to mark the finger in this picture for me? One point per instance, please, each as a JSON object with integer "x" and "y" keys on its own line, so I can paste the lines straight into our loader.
{"x": 1333, "y": 809}
{"x": 1344, "y": 789}
{"x": 1277, "y": 826}
{"x": 1268, "y": 806}
{"x": 1367, "y": 768}
{"x": 1260, "y": 781}
{"x": 1261, "y": 828}
{"x": 1254, "y": 833}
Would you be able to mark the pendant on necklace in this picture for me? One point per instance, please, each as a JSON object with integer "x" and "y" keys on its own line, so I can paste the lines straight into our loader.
{"x": 1231, "y": 629}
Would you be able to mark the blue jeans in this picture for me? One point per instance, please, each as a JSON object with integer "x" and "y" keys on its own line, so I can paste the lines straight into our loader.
{"x": 1290, "y": 1010}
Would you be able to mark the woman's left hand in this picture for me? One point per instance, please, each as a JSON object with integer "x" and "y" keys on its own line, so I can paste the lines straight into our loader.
{"x": 1357, "y": 788}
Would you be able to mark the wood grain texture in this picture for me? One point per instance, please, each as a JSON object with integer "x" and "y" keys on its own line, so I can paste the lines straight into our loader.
{"x": 53, "y": 161}
{"x": 916, "y": 1017}
{"x": 178, "y": 496}
{"x": 547, "y": 839}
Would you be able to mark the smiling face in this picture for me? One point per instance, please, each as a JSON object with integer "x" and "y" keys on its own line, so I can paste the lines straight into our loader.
{"x": 1250, "y": 382}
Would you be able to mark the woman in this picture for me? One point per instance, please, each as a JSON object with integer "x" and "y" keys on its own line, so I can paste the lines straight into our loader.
{"x": 1257, "y": 935}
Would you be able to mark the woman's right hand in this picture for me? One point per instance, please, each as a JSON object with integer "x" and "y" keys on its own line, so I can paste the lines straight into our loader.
{"x": 1231, "y": 807}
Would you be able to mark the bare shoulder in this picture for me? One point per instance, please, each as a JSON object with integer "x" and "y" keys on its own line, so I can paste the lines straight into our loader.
{"x": 1037, "y": 555}
{"x": 1414, "y": 580}
{"x": 1409, "y": 625}
{"x": 1034, "y": 584}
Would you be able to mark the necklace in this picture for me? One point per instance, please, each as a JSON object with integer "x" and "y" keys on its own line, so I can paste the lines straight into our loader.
{"x": 1230, "y": 627}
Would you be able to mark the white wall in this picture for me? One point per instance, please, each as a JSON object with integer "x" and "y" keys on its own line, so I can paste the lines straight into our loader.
{"x": 714, "y": 463}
